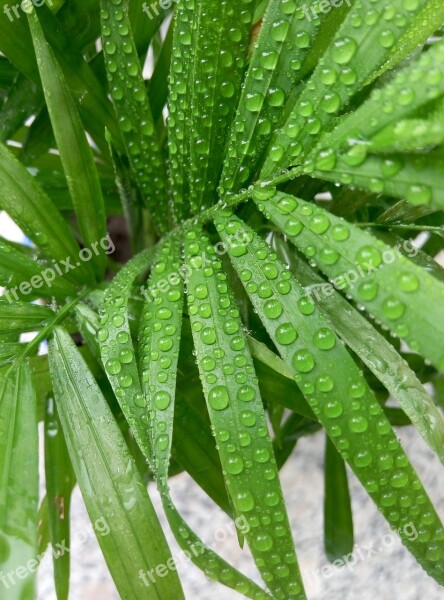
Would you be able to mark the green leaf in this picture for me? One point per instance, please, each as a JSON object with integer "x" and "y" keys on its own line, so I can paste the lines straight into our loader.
{"x": 158, "y": 84}
{"x": 33, "y": 211}
{"x": 420, "y": 82}
{"x": 8, "y": 352}
{"x": 93, "y": 104}
{"x": 160, "y": 328}
{"x": 410, "y": 135}
{"x": 159, "y": 342}
{"x": 17, "y": 267}
{"x": 117, "y": 349}
{"x": 193, "y": 444}
{"x": 8, "y": 74}
{"x": 376, "y": 352}
{"x": 15, "y": 42}
{"x": 415, "y": 178}
{"x": 118, "y": 505}
{"x": 338, "y": 520}
{"x": 237, "y": 415}
{"x": 21, "y": 317}
{"x": 335, "y": 389}
{"x": 392, "y": 288}
{"x": 275, "y": 69}
{"x": 425, "y": 24}
{"x": 24, "y": 99}
{"x": 19, "y": 483}
{"x": 276, "y": 380}
{"x": 133, "y": 109}
{"x": 39, "y": 139}
{"x": 145, "y": 26}
{"x": 210, "y": 49}
{"x": 362, "y": 45}
{"x": 77, "y": 18}
{"x": 75, "y": 152}
{"x": 60, "y": 481}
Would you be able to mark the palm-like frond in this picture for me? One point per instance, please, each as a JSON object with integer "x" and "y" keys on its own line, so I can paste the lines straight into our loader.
{"x": 270, "y": 172}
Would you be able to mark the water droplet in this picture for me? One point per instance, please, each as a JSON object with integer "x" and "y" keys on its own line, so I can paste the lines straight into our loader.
{"x": 162, "y": 400}
{"x": 244, "y": 501}
{"x": 113, "y": 366}
{"x": 234, "y": 465}
{"x": 324, "y": 338}
{"x": 286, "y": 334}
{"x": 218, "y": 397}
{"x": 324, "y": 383}
{"x": 343, "y": 50}
{"x": 303, "y": 361}
{"x": 393, "y": 308}
{"x": 358, "y": 424}
{"x": 333, "y": 409}
{"x": 273, "y": 309}
{"x": 263, "y": 542}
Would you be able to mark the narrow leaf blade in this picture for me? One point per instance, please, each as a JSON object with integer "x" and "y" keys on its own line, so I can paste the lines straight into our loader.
{"x": 104, "y": 468}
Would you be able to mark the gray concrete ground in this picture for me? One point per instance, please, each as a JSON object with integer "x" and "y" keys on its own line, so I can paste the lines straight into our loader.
{"x": 390, "y": 573}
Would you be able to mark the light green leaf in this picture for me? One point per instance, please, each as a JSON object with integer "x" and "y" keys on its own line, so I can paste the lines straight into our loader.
{"x": 60, "y": 481}
{"x": 424, "y": 25}
{"x": 420, "y": 82}
{"x": 130, "y": 99}
{"x": 392, "y": 288}
{"x": 33, "y": 211}
{"x": 117, "y": 349}
{"x": 375, "y": 351}
{"x": 362, "y": 45}
{"x": 335, "y": 389}
{"x": 285, "y": 37}
{"x": 118, "y": 505}
{"x": 159, "y": 341}
{"x": 74, "y": 149}
{"x": 19, "y": 483}
{"x": 416, "y": 178}
{"x": 210, "y": 44}
{"x": 160, "y": 329}
{"x": 237, "y": 415}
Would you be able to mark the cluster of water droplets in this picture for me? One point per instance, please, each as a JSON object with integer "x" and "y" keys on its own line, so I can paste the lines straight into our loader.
{"x": 364, "y": 39}
{"x": 375, "y": 275}
{"x": 335, "y": 389}
{"x": 238, "y": 418}
{"x": 275, "y": 68}
{"x": 160, "y": 328}
{"x": 117, "y": 349}
{"x": 204, "y": 90}
{"x": 129, "y": 95}
{"x": 358, "y": 137}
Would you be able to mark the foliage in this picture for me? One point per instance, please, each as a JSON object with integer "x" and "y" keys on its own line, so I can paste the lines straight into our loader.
{"x": 272, "y": 173}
